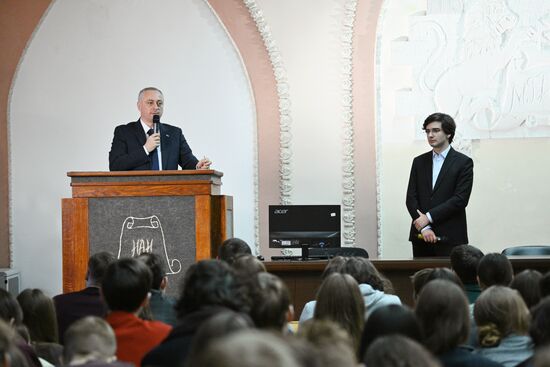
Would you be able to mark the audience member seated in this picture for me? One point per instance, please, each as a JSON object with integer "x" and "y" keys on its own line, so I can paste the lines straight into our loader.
{"x": 218, "y": 326}
{"x": 248, "y": 348}
{"x": 70, "y": 307}
{"x": 126, "y": 287}
{"x": 270, "y": 303}
{"x": 371, "y": 285}
{"x": 442, "y": 310}
{"x": 494, "y": 269}
{"x": 445, "y": 274}
{"x": 542, "y": 357}
{"x": 40, "y": 320}
{"x": 161, "y": 306}
{"x": 209, "y": 287}
{"x": 540, "y": 323}
{"x": 339, "y": 299}
{"x": 11, "y": 314}
{"x": 10, "y": 355}
{"x": 526, "y": 283}
{"x": 330, "y": 341}
{"x": 387, "y": 320}
{"x": 539, "y": 330}
{"x": 91, "y": 342}
{"x": 464, "y": 262}
{"x": 544, "y": 285}
{"x": 502, "y": 320}
{"x": 247, "y": 266}
{"x": 398, "y": 351}
{"x": 233, "y": 248}
{"x": 303, "y": 351}
{"x": 418, "y": 280}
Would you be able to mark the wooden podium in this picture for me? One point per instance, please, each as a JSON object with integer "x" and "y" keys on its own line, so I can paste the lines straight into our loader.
{"x": 180, "y": 215}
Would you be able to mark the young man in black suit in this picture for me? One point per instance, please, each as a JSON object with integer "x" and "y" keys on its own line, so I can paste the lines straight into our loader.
{"x": 136, "y": 146}
{"x": 439, "y": 189}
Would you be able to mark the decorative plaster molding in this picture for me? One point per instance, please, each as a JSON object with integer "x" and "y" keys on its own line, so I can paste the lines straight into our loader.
{"x": 348, "y": 163}
{"x": 378, "y": 117}
{"x": 285, "y": 118}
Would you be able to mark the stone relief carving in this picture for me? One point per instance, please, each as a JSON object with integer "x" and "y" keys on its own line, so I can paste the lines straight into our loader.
{"x": 485, "y": 62}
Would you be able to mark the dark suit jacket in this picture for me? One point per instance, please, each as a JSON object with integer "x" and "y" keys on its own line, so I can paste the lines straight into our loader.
{"x": 70, "y": 307}
{"x": 127, "y": 153}
{"x": 448, "y": 199}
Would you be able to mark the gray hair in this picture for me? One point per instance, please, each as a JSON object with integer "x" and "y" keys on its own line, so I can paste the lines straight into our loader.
{"x": 89, "y": 339}
{"x": 140, "y": 94}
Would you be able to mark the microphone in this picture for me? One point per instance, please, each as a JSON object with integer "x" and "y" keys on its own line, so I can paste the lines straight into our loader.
{"x": 442, "y": 239}
{"x": 156, "y": 123}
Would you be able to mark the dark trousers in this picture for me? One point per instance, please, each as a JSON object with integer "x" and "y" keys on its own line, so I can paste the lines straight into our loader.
{"x": 438, "y": 249}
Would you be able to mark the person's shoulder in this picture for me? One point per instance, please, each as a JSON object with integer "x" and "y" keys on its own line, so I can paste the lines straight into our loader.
{"x": 127, "y": 126}
{"x": 459, "y": 155}
{"x": 423, "y": 156}
{"x": 168, "y": 127}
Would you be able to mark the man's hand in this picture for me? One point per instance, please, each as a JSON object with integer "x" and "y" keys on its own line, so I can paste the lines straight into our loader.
{"x": 153, "y": 141}
{"x": 204, "y": 163}
{"x": 422, "y": 221}
{"x": 429, "y": 236}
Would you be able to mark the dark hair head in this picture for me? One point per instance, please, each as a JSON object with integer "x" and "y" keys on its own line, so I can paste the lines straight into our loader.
{"x": 399, "y": 351}
{"x": 544, "y": 285}
{"x": 363, "y": 271}
{"x": 540, "y": 323}
{"x": 391, "y": 319}
{"x": 97, "y": 266}
{"x": 500, "y": 311}
{"x": 443, "y": 312}
{"x": 270, "y": 302}
{"x": 216, "y": 327}
{"x": 419, "y": 279}
{"x": 10, "y": 354}
{"x": 248, "y": 266}
{"x": 126, "y": 284}
{"x": 464, "y": 261}
{"x": 90, "y": 338}
{"x": 209, "y": 283}
{"x": 248, "y": 348}
{"x": 444, "y": 273}
{"x": 232, "y": 248}
{"x": 156, "y": 265}
{"x": 10, "y": 311}
{"x": 39, "y": 315}
{"x": 334, "y": 265}
{"x": 494, "y": 269}
{"x": 339, "y": 299}
{"x": 527, "y": 284}
{"x": 447, "y": 123}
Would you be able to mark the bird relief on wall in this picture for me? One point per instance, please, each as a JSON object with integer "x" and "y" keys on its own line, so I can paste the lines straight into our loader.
{"x": 145, "y": 235}
{"x": 484, "y": 62}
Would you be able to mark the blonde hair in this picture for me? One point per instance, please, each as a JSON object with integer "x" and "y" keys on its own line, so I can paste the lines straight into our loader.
{"x": 500, "y": 311}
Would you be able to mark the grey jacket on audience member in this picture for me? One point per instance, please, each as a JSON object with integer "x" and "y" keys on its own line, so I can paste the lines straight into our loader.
{"x": 511, "y": 351}
{"x": 373, "y": 299}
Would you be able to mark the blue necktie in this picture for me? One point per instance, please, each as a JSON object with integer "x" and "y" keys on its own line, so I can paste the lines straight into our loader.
{"x": 154, "y": 155}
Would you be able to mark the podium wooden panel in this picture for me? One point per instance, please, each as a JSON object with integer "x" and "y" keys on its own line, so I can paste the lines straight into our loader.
{"x": 212, "y": 212}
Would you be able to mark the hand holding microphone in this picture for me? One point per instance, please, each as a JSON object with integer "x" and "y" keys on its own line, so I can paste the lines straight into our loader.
{"x": 153, "y": 140}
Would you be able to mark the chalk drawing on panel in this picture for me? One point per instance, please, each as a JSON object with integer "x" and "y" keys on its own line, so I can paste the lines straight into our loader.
{"x": 145, "y": 235}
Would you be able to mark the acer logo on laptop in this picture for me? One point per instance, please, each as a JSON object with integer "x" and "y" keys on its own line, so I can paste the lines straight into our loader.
{"x": 280, "y": 211}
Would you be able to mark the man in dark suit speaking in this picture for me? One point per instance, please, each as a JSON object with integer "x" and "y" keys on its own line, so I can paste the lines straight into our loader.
{"x": 439, "y": 189}
{"x": 139, "y": 146}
